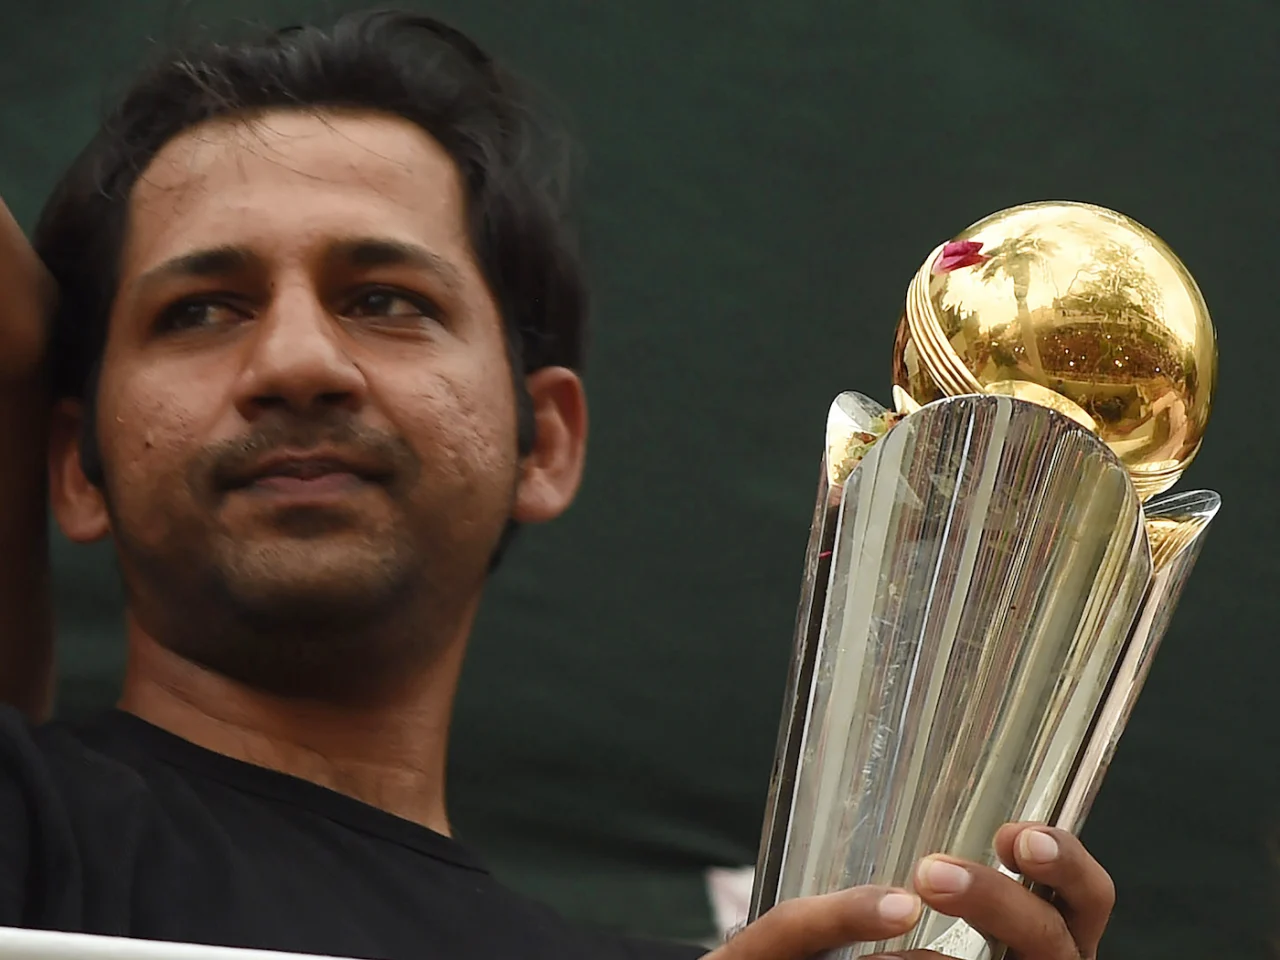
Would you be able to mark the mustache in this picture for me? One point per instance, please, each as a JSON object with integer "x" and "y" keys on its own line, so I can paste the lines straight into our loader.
{"x": 228, "y": 462}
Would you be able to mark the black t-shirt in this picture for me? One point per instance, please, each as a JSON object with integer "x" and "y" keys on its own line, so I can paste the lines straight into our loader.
{"x": 123, "y": 829}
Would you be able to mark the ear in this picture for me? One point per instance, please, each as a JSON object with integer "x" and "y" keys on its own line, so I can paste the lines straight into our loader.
{"x": 552, "y": 471}
{"x": 78, "y": 506}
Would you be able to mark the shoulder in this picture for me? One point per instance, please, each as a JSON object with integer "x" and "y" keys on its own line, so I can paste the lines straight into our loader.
{"x": 31, "y": 758}
{"x": 37, "y": 839}
{"x": 50, "y": 777}
{"x": 41, "y": 762}
{"x": 76, "y": 815}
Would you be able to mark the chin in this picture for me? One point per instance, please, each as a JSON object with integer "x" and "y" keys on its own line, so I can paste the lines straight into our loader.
{"x": 308, "y": 623}
{"x": 315, "y": 580}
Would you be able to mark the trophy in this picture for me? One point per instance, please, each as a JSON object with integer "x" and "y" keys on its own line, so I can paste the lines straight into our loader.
{"x": 990, "y": 568}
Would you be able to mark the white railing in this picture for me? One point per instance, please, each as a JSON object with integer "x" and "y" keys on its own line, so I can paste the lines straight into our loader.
{"x": 16, "y": 944}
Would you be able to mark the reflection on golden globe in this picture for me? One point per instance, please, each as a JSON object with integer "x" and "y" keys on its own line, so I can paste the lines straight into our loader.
{"x": 1075, "y": 307}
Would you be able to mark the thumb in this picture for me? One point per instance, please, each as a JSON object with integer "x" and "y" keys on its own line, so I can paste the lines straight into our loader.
{"x": 800, "y": 929}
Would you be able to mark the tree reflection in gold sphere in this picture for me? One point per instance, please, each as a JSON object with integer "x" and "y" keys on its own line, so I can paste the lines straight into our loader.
{"x": 1075, "y": 307}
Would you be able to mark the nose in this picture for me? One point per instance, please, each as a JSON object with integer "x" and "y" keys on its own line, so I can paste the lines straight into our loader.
{"x": 298, "y": 362}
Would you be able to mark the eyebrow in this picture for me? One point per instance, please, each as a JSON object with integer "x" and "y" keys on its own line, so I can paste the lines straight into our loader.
{"x": 213, "y": 262}
{"x": 228, "y": 260}
{"x": 380, "y": 252}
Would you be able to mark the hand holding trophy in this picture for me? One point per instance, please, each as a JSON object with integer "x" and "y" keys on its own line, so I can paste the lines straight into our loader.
{"x": 990, "y": 570}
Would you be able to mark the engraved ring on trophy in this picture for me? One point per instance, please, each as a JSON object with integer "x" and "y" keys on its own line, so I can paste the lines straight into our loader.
{"x": 992, "y": 563}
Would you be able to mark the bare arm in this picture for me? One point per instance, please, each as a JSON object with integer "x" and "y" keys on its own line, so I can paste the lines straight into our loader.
{"x": 26, "y": 617}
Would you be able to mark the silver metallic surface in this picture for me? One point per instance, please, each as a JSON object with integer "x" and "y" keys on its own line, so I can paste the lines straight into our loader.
{"x": 1176, "y": 527}
{"x": 969, "y": 592}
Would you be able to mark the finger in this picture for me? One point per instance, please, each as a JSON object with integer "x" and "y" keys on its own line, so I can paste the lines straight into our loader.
{"x": 1085, "y": 893}
{"x": 799, "y": 929}
{"x": 1006, "y": 836}
{"x": 998, "y": 906}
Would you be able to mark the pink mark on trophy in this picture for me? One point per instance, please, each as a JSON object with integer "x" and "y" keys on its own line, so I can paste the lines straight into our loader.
{"x": 959, "y": 253}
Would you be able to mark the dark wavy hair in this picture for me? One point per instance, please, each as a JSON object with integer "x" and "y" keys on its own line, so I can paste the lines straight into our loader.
{"x": 396, "y": 63}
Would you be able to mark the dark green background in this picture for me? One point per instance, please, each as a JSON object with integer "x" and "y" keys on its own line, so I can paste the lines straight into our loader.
{"x": 762, "y": 180}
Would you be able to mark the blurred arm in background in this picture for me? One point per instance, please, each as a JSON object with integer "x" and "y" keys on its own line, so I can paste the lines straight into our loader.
{"x": 26, "y": 622}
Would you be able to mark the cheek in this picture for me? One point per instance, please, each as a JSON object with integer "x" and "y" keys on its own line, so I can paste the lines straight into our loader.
{"x": 146, "y": 430}
{"x": 462, "y": 426}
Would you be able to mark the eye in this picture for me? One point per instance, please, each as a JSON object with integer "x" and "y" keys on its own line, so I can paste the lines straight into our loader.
{"x": 384, "y": 303}
{"x": 197, "y": 313}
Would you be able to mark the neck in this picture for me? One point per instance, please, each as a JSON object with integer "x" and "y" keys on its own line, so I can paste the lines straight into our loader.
{"x": 389, "y": 753}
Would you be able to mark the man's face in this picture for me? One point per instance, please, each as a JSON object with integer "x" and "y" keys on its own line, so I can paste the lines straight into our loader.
{"x": 306, "y": 410}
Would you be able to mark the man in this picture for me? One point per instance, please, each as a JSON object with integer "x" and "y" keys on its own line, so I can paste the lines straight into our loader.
{"x": 314, "y": 358}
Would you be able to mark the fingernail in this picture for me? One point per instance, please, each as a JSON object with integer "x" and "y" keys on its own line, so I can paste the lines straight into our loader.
{"x": 1037, "y": 846}
{"x": 943, "y": 877}
{"x": 896, "y": 907}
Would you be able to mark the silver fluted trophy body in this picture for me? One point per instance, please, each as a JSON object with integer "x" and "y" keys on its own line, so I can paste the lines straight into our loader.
{"x": 985, "y": 587}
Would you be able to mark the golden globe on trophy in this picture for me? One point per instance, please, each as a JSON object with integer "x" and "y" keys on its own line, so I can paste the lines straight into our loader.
{"x": 991, "y": 566}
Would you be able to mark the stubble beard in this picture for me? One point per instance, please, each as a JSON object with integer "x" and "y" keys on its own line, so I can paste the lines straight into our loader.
{"x": 327, "y": 618}
{"x": 320, "y": 604}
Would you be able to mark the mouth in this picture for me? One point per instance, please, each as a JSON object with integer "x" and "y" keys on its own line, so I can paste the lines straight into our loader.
{"x": 298, "y": 476}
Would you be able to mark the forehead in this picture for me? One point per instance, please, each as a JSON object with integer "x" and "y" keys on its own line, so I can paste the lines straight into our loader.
{"x": 283, "y": 179}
